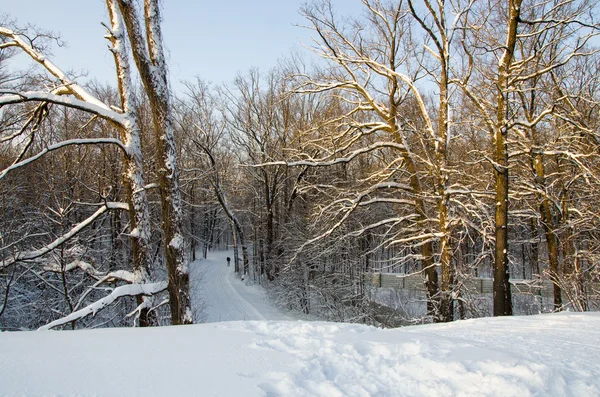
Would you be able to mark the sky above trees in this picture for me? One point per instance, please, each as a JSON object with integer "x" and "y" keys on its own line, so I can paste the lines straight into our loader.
{"x": 212, "y": 40}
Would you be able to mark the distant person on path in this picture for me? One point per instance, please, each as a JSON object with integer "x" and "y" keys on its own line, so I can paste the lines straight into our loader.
{"x": 228, "y": 261}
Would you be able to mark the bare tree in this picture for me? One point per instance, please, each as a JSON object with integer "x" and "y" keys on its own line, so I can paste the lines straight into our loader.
{"x": 152, "y": 68}
{"x": 71, "y": 94}
{"x": 538, "y": 39}
{"x": 210, "y": 139}
{"x": 148, "y": 53}
{"x": 381, "y": 86}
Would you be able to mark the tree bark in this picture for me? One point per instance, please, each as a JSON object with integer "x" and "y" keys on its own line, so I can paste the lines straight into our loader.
{"x": 502, "y": 293}
{"x": 149, "y": 57}
{"x": 133, "y": 176}
{"x": 549, "y": 227}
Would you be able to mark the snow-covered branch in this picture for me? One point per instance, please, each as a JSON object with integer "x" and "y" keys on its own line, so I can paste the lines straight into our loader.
{"x": 30, "y": 255}
{"x": 325, "y": 162}
{"x": 12, "y": 97}
{"x": 88, "y": 141}
{"x": 75, "y": 88}
{"x": 117, "y": 275}
{"x": 119, "y": 292}
{"x": 76, "y": 264}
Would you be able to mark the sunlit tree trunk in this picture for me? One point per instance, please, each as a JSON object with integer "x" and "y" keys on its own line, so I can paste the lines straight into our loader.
{"x": 502, "y": 292}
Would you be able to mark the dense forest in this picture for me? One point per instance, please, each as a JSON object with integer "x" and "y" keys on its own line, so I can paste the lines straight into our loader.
{"x": 450, "y": 141}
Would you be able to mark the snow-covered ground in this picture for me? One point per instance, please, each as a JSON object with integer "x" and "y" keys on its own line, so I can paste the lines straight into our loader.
{"x": 544, "y": 355}
{"x": 224, "y": 296}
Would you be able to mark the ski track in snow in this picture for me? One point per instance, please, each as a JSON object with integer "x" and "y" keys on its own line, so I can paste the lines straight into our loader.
{"x": 225, "y": 296}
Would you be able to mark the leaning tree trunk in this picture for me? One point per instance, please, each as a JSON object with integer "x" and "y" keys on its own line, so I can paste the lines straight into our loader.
{"x": 427, "y": 264}
{"x": 222, "y": 199}
{"x": 441, "y": 43}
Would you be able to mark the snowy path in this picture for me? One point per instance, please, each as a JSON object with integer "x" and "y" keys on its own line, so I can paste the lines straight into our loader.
{"x": 224, "y": 296}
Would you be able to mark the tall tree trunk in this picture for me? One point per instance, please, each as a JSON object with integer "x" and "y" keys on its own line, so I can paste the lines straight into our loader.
{"x": 133, "y": 174}
{"x": 245, "y": 260}
{"x": 440, "y": 174}
{"x": 502, "y": 292}
{"x": 427, "y": 265}
{"x": 149, "y": 57}
{"x": 549, "y": 227}
{"x": 206, "y": 234}
{"x": 236, "y": 255}
{"x": 572, "y": 267}
{"x": 535, "y": 249}
{"x": 193, "y": 243}
{"x": 441, "y": 155}
{"x": 273, "y": 271}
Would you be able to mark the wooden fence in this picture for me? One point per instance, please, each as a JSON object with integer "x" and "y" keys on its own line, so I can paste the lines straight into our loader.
{"x": 472, "y": 285}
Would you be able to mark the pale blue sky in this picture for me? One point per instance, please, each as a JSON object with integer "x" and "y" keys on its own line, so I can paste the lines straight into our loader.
{"x": 211, "y": 39}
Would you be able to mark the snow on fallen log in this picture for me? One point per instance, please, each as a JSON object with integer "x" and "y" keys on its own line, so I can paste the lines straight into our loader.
{"x": 119, "y": 292}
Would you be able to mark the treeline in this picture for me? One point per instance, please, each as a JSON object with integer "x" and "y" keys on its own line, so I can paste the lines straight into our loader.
{"x": 456, "y": 140}
{"x": 450, "y": 139}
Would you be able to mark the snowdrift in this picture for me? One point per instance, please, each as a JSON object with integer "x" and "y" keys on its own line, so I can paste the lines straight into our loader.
{"x": 544, "y": 355}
